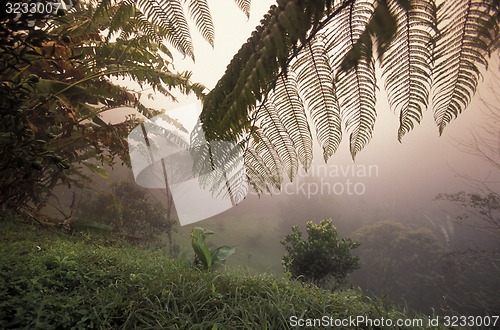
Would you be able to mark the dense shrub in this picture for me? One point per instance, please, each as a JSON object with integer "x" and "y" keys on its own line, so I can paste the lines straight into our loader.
{"x": 324, "y": 258}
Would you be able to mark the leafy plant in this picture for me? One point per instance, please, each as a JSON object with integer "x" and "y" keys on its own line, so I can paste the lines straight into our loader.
{"x": 58, "y": 75}
{"x": 323, "y": 259}
{"x": 310, "y": 65}
{"x": 208, "y": 258}
{"x": 55, "y": 81}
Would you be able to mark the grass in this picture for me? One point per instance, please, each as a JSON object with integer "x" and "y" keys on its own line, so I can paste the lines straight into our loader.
{"x": 50, "y": 279}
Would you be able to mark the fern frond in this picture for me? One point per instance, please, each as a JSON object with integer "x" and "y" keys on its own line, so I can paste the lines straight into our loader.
{"x": 315, "y": 82}
{"x": 263, "y": 164}
{"x": 355, "y": 87}
{"x": 292, "y": 115}
{"x": 274, "y": 129}
{"x": 407, "y": 63}
{"x": 257, "y": 171}
{"x": 169, "y": 15}
{"x": 121, "y": 15}
{"x": 227, "y": 175}
{"x": 253, "y": 71}
{"x": 200, "y": 13}
{"x": 244, "y": 5}
{"x": 287, "y": 66}
{"x": 461, "y": 49}
{"x": 265, "y": 147}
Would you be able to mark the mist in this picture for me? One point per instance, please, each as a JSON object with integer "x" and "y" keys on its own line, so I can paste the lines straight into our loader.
{"x": 388, "y": 182}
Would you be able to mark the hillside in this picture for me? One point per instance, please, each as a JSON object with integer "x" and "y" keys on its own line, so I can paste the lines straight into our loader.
{"x": 53, "y": 279}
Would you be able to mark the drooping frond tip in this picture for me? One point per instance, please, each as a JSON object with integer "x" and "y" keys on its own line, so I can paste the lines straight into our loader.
{"x": 463, "y": 46}
{"x": 244, "y": 5}
{"x": 200, "y": 13}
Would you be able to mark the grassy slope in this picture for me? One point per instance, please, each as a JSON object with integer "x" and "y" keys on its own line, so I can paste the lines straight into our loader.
{"x": 49, "y": 279}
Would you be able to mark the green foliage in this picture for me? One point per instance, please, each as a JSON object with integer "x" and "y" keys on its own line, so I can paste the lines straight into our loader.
{"x": 316, "y": 60}
{"x": 129, "y": 210}
{"x": 323, "y": 259}
{"x": 55, "y": 81}
{"x": 158, "y": 20}
{"x": 49, "y": 280}
{"x": 208, "y": 258}
{"x": 26, "y": 159}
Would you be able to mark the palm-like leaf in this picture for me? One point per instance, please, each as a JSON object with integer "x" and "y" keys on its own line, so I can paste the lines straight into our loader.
{"x": 258, "y": 171}
{"x": 355, "y": 87}
{"x": 170, "y": 16}
{"x": 406, "y": 65}
{"x": 314, "y": 74}
{"x": 167, "y": 17}
{"x": 200, "y": 12}
{"x": 244, "y": 5}
{"x": 268, "y": 152}
{"x": 461, "y": 48}
{"x": 293, "y": 117}
{"x": 275, "y": 130}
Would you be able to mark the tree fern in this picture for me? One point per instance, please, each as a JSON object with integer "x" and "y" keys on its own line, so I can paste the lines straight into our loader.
{"x": 244, "y": 5}
{"x": 265, "y": 147}
{"x": 167, "y": 16}
{"x": 407, "y": 63}
{"x": 262, "y": 163}
{"x": 170, "y": 16}
{"x": 292, "y": 114}
{"x": 200, "y": 12}
{"x": 355, "y": 87}
{"x": 273, "y": 127}
{"x": 420, "y": 49}
{"x": 316, "y": 85}
{"x": 462, "y": 47}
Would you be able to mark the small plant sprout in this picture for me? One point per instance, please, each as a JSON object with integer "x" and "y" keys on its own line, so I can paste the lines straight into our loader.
{"x": 208, "y": 258}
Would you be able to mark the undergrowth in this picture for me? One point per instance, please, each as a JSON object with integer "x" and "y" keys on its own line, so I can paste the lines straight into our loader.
{"x": 50, "y": 279}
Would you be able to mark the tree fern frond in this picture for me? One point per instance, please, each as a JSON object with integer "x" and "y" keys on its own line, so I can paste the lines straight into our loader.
{"x": 461, "y": 49}
{"x": 226, "y": 177}
{"x": 266, "y": 148}
{"x": 273, "y": 127}
{"x": 257, "y": 171}
{"x": 169, "y": 15}
{"x": 244, "y": 5}
{"x": 253, "y": 71}
{"x": 284, "y": 65}
{"x": 314, "y": 76}
{"x": 121, "y": 14}
{"x": 262, "y": 163}
{"x": 293, "y": 116}
{"x": 200, "y": 13}
{"x": 355, "y": 87}
{"x": 406, "y": 65}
